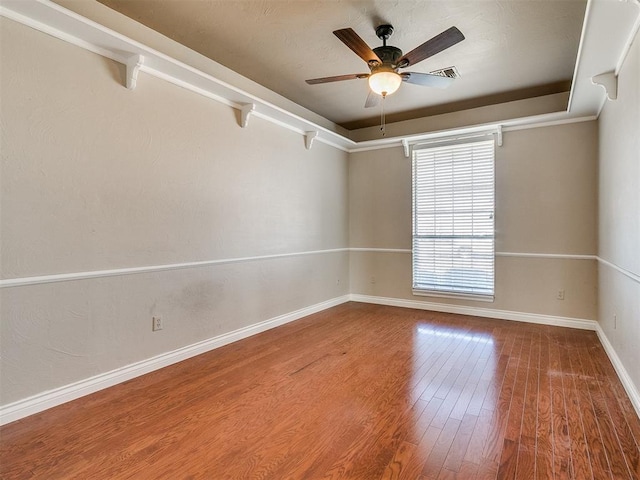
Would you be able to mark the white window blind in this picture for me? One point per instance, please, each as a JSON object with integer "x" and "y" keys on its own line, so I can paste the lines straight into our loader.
{"x": 453, "y": 218}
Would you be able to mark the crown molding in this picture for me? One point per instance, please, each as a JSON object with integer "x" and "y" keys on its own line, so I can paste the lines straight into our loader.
{"x": 59, "y": 22}
{"x": 585, "y": 101}
{"x": 608, "y": 31}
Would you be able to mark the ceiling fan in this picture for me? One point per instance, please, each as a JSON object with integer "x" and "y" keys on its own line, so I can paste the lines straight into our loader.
{"x": 385, "y": 61}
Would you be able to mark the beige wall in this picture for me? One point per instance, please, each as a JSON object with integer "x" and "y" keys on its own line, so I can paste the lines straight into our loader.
{"x": 98, "y": 177}
{"x": 546, "y": 197}
{"x": 619, "y": 217}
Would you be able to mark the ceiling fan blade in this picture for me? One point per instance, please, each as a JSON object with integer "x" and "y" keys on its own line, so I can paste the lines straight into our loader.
{"x": 440, "y": 42}
{"x": 357, "y": 45}
{"x": 337, "y": 78}
{"x": 373, "y": 99}
{"x": 427, "y": 79}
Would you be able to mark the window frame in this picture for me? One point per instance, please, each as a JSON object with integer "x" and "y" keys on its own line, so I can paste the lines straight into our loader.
{"x": 465, "y": 289}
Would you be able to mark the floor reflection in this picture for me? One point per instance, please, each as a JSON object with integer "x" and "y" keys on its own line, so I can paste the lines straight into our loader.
{"x": 453, "y": 376}
{"x": 452, "y": 333}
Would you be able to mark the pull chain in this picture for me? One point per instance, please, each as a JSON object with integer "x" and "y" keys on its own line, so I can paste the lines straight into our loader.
{"x": 382, "y": 117}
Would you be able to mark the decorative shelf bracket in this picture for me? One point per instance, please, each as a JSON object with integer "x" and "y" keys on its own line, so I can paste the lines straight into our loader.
{"x": 309, "y": 137}
{"x": 405, "y": 146}
{"x": 245, "y": 112}
{"x": 134, "y": 62}
{"x": 609, "y": 81}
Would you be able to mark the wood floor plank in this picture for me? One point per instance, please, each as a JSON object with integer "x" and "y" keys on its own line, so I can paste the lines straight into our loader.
{"x": 430, "y": 366}
{"x": 468, "y": 380}
{"x": 581, "y": 461}
{"x": 615, "y": 452}
{"x": 502, "y": 359}
{"x": 526, "y": 465}
{"x": 420, "y": 455}
{"x": 354, "y": 392}
{"x": 467, "y": 471}
{"x": 488, "y": 469}
{"x": 435, "y": 461}
{"x": 509, "y": 457}
{"x": 495, "y": 439}
{"x": 424, "y": 421}
{"x": 544, "y": 427}
{"x": 619, "y": 410}
{"x": 478, "y": 437}
{"x": 598, "y": 459}
{"x": 490, "y": 373}
{"x": 561, "y": 441}
{"x": 458, "y": 449}
{"x": 481, "y": 450}
{"x": 399, "y": 461}
{"x": 440, "y": 385}
{"x": 607, "y": 373}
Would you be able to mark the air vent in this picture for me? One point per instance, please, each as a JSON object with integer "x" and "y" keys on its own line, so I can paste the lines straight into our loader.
{"x": 450, "y": 72}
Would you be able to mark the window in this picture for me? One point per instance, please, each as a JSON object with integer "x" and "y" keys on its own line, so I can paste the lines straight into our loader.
{"x": 453, "y": 224}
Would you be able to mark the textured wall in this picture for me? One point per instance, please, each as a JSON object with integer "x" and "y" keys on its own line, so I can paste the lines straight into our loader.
{"x": 546, "y": 182}
{"x": 619, "y": 216}
{"x": 97, "y": 177}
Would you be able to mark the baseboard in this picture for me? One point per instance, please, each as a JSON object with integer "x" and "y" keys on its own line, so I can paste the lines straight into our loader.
{"x": 58, "y": 396}
{"x": 51, "y": 398}
{"x": 623, "y": 375}
{"x": 580, "y": 323}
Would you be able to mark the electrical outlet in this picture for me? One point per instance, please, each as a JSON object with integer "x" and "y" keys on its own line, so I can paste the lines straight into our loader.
{"x": 560, "y": 295}
{"x": 156, "y": 324}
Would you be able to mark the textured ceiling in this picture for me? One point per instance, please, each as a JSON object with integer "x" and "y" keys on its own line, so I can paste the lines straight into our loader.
{"x": 513, "y": 49}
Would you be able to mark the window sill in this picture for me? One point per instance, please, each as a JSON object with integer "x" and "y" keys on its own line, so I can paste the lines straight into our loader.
{"x": 458, "y": 296}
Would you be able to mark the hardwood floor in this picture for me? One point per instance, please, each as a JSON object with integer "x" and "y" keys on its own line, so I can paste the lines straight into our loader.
{"x": 355, "y": 392}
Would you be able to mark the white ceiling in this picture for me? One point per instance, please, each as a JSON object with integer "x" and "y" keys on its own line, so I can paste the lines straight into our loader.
{"x": 513, "y": 48}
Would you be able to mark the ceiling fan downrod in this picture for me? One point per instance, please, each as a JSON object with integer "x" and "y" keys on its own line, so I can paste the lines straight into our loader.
{"x": 383, "y": 32}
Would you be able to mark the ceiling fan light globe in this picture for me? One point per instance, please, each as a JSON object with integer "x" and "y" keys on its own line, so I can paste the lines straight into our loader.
{"x": 384, "y": 83}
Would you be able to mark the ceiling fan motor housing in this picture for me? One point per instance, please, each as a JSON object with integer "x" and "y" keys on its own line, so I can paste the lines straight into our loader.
{"x": 389, "y": 55}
